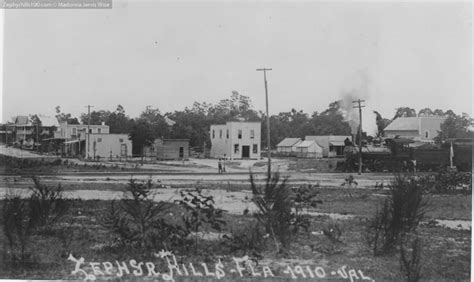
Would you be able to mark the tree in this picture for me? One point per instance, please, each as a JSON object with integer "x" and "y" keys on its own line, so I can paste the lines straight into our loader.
{"x": 425, "y": 111}
{"x": 450, "y": 113}
{"x": 455, "y": 127}
{"x": 438, "y": 112}
{"x": 404, "y": 112}
{"x": 63, "y": 117}
{"x": 381, "y": 122}
{"x": 330, "y": 121}
{"x": 141, "y": 136}
{"x": 37, "y": 129}
{"x": 157, "y": 122}
{"x": 97, "y": 117}
{"x": 118, "y": 121}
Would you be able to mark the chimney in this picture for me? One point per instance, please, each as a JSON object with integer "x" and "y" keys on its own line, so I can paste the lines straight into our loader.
{"x": 103, "y": 123}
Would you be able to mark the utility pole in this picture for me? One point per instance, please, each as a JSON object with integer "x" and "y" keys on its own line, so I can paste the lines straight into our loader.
{"x": 268, "y": 121}
{"x": 360, "y": 131}
{"x": 88, "y": 129}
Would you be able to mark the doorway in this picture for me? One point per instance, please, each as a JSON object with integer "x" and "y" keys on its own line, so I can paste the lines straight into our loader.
{"x": 181, "y": 152}
{"x": 245, "y": 151}
{"x": 123, "y": 150}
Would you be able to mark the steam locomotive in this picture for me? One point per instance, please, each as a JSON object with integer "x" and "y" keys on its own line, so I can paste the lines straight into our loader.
{"x": 399, "y": 154}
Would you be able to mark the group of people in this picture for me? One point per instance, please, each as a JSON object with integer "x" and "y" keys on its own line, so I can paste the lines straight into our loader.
{"x": 221, "y": 165}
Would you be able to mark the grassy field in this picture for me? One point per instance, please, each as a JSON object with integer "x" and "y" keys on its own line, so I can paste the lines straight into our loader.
{"x": 81, "y": 232}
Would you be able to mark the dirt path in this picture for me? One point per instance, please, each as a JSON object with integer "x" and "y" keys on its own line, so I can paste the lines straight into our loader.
{"x": 334, "y": 180}
{"x": 231, "y": 202}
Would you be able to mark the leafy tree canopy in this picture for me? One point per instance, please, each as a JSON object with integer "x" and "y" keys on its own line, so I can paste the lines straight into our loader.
{"x": 404, "y": 112}
{"x": 455, "y": 126}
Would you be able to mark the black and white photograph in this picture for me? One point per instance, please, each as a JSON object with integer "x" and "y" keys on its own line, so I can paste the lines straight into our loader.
{"x": 246, "y": 140}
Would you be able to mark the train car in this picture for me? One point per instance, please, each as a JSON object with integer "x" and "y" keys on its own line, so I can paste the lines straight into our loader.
{"x": 431, "y": 157}
{"x": 397, "y": 154}
{"x": 393, "y": 156}
{"x": 462, "y": 151}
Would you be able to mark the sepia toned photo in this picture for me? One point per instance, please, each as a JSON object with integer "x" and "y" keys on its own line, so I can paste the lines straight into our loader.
{"x": 236, "y": 140}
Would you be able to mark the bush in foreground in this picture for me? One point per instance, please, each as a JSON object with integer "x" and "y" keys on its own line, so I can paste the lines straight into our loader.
{"x": 137, "y": 219}
{"x": 278, "y": 211}
{"x": 400, "y": 214}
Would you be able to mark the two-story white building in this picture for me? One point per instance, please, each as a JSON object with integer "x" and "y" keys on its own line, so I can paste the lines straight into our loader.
{"x": 78, "y": 131}
{"x": 93, "y": 141}
{"x": 236, "y": 140}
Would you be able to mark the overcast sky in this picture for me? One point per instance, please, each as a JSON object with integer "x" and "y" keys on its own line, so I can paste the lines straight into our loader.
{"x": 169, "y": 54}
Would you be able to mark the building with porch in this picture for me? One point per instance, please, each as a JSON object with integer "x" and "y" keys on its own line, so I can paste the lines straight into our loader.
{"x": 332, "y": 145}
{"x": 22, "y": 129}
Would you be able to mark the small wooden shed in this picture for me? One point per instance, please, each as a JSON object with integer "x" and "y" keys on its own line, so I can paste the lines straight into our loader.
{"x": 171, "y": 149}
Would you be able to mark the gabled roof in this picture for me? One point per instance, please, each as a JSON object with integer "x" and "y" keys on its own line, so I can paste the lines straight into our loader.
{"x": 45, "y": 120}
{"x": 338, "y": 138}
{"x": 22, "y": 120}
{"x": 289, "y": 142}
{"x": 403, "y": 123}
{"x": 48, "y": 120}
{"x": 306, "y": 144}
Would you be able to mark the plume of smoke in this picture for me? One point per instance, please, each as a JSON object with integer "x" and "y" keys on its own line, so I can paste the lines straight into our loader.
{"x": 359, "y": 90}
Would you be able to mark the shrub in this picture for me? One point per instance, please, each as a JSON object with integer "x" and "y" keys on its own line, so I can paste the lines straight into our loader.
{"x": 18, "y": 227}
{"x": 447, "y": 182}
{"x": 277, "y": 210}
{"x": 136, "y": 218}
{"x": 46, "y": 203}
{"x": 401, "y": 213}
{"x": 249, "y": 238}
{"x": 23, "y": 217}
{"x": 199, "y": 212}
{"x": 410, "y": 261}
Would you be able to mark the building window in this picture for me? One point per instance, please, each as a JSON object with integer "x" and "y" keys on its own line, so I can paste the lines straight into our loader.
{"x": 426, "y": 134}
{"x": 90, "y": 130}
{"x": 236, "y": 148}
{"x": 220, "y": 133}
{"x": 227, "y": 133}
{"x": 99, "y": 140}
{"x": 74, "y": 132}
{"x": 252, "y": 134}
{"x": 255, "y": 148}
{"x": 213, "y": 134}
{"x": 99, "y": 130}
{"x": 239, "y": 134}
{"x": 121, "y": 140}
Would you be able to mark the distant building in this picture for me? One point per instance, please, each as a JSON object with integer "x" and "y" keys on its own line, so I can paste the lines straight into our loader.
{"x": 108, "y": 146}
{"x": 332, "y": 145}
{"x": 78, "y": 131}
{"x": 308, "y": 149}
{"x": 22, "y": 128}
{"x": 236, "y": 140}
{"x": 288, "y": 146}
{"x": 422, "y": 128}
{"x": 168, "y": 149}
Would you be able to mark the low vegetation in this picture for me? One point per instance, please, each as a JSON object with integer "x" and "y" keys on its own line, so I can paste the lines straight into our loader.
{"x": 291, "y": 226}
